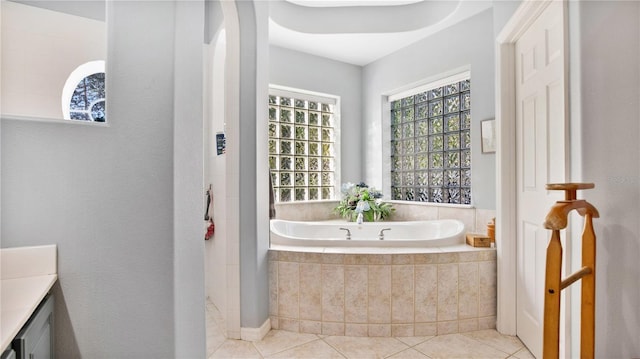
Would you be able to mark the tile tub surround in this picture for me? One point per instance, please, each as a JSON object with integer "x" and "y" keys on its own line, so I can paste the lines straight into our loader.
{"x": 475, "y": 219}
{"x": 383, "y": 295}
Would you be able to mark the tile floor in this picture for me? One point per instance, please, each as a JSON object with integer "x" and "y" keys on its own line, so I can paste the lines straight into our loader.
{"x": 484, "y": 344}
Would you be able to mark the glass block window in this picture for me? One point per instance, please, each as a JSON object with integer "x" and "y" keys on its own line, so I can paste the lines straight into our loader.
{"x": 302, "y": 153}
{"x": 431, "y": 144}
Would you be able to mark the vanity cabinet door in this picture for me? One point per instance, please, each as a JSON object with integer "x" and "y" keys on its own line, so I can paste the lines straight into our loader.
{"x": 35, "y": 340}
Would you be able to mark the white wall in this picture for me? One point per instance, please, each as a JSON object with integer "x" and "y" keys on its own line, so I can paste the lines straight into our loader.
{"x": 606, "y": 59}
{"x": 40, "y": 49}
{"x": 312, "y": 73}
{"x": 468, "y": 44}
{"x": 105, "y": 195}
{"x": 215, "y": 167}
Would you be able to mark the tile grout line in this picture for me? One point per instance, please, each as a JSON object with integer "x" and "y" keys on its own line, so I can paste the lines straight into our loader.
{"x": 367, "y": 296}
{"x": 287, "y": 348}
{"x": 257, "y": 351}
{"x": 400, "y": 351}
{"x": 409, "y": 348}
{"x": 344, "y": 295}
{"x": 298, "y": 257}
{"x": 334, "y": 348}
{"x": 215, "y": 322}
{"x": 492, "y": 346}
{"x": 413, "y": 264}
{"x": 217, "y": 347}
{"x": 277, "y": 290}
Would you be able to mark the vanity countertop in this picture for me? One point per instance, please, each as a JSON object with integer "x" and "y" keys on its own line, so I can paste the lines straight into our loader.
{"x": 26, "y": 276}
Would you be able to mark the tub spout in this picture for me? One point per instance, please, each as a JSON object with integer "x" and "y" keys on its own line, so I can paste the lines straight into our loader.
{"x": 348, "y": 233}
{"x": 381, "y": 234}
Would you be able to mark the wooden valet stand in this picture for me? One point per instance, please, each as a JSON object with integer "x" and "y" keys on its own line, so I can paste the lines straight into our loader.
{"x": 556, "y": 220}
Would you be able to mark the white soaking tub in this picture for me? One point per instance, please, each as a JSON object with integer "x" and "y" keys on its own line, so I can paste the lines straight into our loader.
{"x": 414, "y": 234}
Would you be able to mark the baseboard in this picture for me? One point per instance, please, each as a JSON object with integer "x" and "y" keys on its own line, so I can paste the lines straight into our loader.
{"x": 255, "y": 334}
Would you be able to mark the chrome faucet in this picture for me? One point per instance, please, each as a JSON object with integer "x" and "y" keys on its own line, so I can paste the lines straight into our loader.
{"x": 348, "y": 232}
{"x": 381, "y": 234}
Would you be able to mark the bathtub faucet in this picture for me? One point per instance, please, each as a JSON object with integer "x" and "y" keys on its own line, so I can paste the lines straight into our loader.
{"x": 348, "y": 232}
{"x": 381, "y": 234}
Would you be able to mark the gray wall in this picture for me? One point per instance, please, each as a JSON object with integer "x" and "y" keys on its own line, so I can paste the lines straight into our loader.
{"x": 308, "y": 72}
{"x": 188, "y": 187}
{"x": 253, "y": 172}
{"x": 467, "y": 44}
{"x": 213, "y": 19}
{"x": 606, "y": 58}
{"x": 502, "y": 12}
{"x": 105, "y": 196}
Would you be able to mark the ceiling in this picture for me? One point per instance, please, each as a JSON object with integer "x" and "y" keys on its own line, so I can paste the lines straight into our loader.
{"x": 352, "y": 31}
{"x": 93, "y": 9}
{"x": 361, "y": 31}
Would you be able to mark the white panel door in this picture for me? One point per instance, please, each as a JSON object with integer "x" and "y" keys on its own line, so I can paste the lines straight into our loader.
{"x": 541, "y": 159}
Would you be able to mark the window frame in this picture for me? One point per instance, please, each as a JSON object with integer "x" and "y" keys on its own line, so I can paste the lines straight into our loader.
{"x": 78, "y": 74}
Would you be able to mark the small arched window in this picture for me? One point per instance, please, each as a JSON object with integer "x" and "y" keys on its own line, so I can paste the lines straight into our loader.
{"x": 83, "y": 96}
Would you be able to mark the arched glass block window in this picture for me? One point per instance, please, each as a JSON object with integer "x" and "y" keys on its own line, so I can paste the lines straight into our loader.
{"x": 84, "y": 93}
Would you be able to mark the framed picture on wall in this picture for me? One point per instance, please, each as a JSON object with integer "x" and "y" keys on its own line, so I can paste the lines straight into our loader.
{"x": 488, "y": 134}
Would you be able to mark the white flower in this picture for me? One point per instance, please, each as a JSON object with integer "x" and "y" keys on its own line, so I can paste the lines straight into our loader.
{"x": 362, "y": 206}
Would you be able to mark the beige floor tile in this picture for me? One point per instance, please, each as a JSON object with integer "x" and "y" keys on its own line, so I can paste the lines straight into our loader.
{"x": 413, "y": 341}
{"x": 312, "y": 350}
{"x": 236, "y": 349}
{"x": 506, "y": 343}
{"x": 409, "y": 354}
{"x": 277, "y": 341}
{"x": 523, "y": 354}
{"x": 361, "y": 348}
{"x": 215, "y": 338}
{"x": 483, "y": 344}
{"x": 458, "y": 346}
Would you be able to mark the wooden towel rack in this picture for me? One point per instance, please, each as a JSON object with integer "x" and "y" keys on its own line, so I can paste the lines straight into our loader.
{"x": 555, "y": 221}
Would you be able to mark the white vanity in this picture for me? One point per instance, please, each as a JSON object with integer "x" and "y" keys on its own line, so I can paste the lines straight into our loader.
{"x": 26, "y": 307}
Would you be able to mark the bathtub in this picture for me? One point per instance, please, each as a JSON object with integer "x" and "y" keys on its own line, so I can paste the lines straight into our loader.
{"x": 414, "y": 234}
{"x": 421, "y": 280}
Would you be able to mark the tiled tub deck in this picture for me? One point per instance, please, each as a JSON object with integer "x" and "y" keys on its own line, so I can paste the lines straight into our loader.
{"x": 382, "y": 295}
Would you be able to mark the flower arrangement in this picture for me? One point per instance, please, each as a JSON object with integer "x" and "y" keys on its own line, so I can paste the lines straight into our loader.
{"x": 363, "y": 203}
